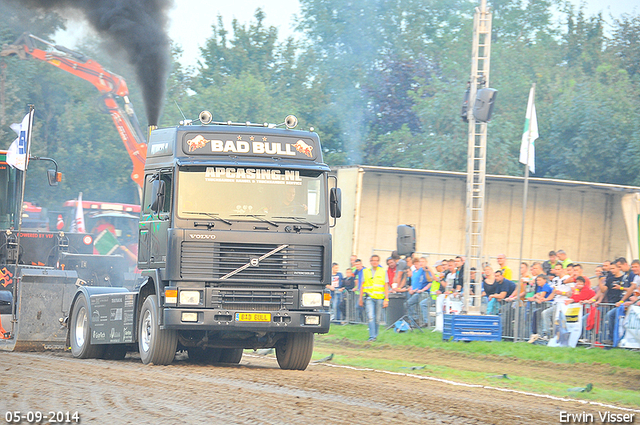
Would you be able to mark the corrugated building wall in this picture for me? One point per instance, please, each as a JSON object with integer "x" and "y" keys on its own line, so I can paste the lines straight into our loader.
{"x": 584, "y": 219}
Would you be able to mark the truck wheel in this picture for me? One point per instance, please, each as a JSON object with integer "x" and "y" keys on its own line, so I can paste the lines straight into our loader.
{"x": 295, "y": 352}
{"x": 231, "y": 355}
{"x": 80, "y": 332}
{"x": 157, "y": 346}
{"x": 204, "y": 355}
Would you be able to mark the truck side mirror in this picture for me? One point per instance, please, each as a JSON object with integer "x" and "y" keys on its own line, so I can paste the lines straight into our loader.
{"x": 406, "y": 241}
{"x": 157, "y": 194}
{"x": 335, "y": 202}
{"x": 54, "y": 177}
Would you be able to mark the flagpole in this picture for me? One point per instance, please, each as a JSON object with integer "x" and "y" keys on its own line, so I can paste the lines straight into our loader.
{"x": 16, "y": 275}
{"x": 524, "y": 215}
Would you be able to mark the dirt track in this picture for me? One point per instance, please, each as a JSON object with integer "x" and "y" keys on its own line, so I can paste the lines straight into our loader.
{"x": 255, "y": 392}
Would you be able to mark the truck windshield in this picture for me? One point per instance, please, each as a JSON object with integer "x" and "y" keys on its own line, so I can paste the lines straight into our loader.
{"x": 257, "y": 194}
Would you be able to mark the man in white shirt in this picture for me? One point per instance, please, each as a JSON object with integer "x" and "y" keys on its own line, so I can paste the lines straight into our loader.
{"x": 562, "y": 290}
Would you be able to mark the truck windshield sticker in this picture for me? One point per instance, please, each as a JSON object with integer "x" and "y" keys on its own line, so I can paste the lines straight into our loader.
{"x": 251, "y": 145}
{"x": 252, "y": 175}
{"x": 255, "y": 194}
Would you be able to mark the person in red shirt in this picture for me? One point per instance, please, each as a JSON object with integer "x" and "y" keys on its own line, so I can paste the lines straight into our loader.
{"x": 578, "y": 271}
{"x": 391, "y": 269}
{"x": 103, "y": 224}
{"x": 582, "y": 293}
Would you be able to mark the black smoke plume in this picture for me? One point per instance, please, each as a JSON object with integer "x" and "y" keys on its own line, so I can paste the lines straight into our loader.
{"x": 137, "y": 27}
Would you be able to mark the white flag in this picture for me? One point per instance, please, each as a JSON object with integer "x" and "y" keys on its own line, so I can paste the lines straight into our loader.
{"x": 18, "y": 155}
{"x": 529, "y": 135}
{"x": 78, "y": 224}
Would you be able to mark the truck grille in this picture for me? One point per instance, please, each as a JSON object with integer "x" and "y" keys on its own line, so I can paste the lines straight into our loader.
{"x": 298, "y": 264}
{"x": 252, "y": 300}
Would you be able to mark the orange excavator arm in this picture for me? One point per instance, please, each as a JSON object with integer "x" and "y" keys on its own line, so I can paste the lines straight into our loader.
{"x": 109, "y": 84}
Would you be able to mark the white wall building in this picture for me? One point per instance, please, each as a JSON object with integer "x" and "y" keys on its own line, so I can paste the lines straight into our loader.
{"x": 587, "y": 220}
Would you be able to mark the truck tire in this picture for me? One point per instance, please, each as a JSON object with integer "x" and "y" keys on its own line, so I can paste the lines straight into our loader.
{"x": 157, "y": 346}
{"x": 80, "y": 332}
{"x": 204, "y": 355}
{"x": 295, "y": 352}
{"x": 231, "y": 355}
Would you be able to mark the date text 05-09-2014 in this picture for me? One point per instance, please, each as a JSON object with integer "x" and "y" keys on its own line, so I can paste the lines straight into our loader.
{"x": 34, "y": 417}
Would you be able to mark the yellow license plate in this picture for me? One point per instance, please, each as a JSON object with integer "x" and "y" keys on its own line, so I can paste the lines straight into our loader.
{"x": 253, "y": 317}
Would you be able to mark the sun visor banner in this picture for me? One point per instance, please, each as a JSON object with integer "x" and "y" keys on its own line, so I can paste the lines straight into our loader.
{"x": 250, "y": 145}
{"x": 253, "y": 175}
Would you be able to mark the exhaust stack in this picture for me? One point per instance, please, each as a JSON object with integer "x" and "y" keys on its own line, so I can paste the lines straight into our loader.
{"x": 151, "y": 128}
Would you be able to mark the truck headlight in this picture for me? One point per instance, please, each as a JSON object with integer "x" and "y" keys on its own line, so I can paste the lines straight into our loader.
{"x": 312, "y": 299}
{"x": 189, "y": 297}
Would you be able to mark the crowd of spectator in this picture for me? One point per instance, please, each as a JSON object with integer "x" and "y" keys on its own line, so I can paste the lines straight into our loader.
{"x": 543, "y": 285}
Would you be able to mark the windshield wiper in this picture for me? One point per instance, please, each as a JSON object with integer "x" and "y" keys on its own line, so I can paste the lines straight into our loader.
{"x": 259, "y": 217}
{"x": 301, "y": 220}
{"x": 214, "y": 216}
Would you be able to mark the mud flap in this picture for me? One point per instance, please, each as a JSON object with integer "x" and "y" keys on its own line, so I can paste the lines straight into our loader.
{"x": 4, "y": 318}
{"x": 43, "y": 301}
{"x": 6, "y": 300}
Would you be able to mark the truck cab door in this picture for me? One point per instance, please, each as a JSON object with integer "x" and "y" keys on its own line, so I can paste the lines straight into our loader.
{"x": 157, "y": 223}
{"x": 144, "y": 226}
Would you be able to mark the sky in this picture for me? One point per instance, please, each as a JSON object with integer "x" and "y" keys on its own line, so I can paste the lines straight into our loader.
{"x": 191, "y": 20}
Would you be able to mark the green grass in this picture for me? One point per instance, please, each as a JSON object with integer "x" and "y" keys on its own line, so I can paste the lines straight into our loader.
{"x": 519, "y": 383}
{"x": 354, "y": 337}
{"x": 433, "y": 340}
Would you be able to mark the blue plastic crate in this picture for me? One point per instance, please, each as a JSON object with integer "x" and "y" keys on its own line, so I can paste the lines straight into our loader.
{"x": 463, "y": 327}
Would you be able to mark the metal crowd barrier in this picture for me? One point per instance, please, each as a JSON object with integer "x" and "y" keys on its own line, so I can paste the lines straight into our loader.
{"x": 532, "y": 318}
{"x": 354, "y": 314}
{"x": 537, "y": 318}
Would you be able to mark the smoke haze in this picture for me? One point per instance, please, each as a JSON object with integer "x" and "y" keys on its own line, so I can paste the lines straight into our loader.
{"x": 137, "y": 27}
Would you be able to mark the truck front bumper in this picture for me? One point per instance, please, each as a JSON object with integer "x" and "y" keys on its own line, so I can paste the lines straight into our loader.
{"x": 257, "y": 321}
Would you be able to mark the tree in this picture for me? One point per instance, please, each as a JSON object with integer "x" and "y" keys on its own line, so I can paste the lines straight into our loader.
{"x": 584, "y": 41}
{"x": 251, "y": 50}
{"x": 625, "y": 43}
{"x": 593, "y": 133}
{"x": 382, "y": 50}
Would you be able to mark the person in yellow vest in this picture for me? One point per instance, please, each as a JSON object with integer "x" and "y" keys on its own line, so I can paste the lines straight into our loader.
{"x": 374, "y": 295}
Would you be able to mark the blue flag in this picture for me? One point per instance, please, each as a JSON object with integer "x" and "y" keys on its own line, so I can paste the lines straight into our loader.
{"x": 18, "y": 155}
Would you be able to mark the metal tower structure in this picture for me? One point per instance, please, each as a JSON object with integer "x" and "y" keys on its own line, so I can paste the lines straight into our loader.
{"x": 477, "y": 159}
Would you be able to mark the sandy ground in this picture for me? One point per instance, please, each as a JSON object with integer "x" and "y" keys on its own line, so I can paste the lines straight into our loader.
{"x": 254, "y": 392}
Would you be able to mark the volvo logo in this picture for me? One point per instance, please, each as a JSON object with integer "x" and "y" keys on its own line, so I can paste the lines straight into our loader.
{"x": 202, "y": 236}
{"x": 254, "y": 262}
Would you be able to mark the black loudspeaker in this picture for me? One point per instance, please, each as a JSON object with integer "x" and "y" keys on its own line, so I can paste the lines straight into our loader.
{"x": 406, "y": 239}
{"x": 483, "y": 108}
